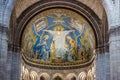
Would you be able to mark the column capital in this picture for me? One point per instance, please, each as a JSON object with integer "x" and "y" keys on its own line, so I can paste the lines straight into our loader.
{"x": 103, "y": 48}
{"x": 3, "y": 29}
{"x": 114, "y": 30}
{"x": 13, "y": 47}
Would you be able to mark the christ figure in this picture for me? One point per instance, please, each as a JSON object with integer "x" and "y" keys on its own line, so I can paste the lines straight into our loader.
{"x": 59, "y": 39}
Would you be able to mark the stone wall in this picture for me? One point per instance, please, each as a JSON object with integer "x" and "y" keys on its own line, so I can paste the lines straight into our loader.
{"x": 103, "y": 66}
{"x": 10, "y": 64}
{"x": 112, "y": 8}
{"x": 3, "y": 51}
{"x": 108, "y": 64}
{"x": 13, "y": 66}
{"x": 115, "y": 53}
{"x": 6, "y": 7}
{"x": 21, "y": 5}
{"x": 95, "y": 5}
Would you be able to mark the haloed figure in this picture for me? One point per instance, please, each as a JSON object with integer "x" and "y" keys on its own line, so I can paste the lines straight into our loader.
{"x": 44, "y": 51}
{"x": 59, "y": 40}
{"x": 72, "y": 47}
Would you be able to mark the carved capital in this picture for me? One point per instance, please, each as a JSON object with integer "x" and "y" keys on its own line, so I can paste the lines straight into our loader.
{"x": 13, "y": 47}
{"x": 3, "y": 29}
{"x": 103, "y": 48}
{"x": 114, "y": 30}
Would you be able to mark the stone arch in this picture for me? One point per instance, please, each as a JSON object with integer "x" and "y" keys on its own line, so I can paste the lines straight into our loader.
{"x": 44, "y": 76}
{"x": 22, "y": 21}
{"x": 57, "y": 76}
{"x": 33, "y": 75}
{"x": 71, "y": 76}
{"x": 76, "y": 6}
{"x": 90, "y": 75}
{"x": 26, "y": 74}
{"x": 82, "y": 76}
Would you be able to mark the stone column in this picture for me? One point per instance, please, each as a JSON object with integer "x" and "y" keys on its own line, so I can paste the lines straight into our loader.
{"x": 102, "y": 64}
{"x": 13, "y": 62}
{"x": 115, "y": 53}
{"x": 3, "y": 51}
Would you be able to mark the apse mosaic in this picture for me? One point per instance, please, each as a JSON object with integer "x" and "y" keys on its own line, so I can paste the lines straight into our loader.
{"x": 58, "y": 36}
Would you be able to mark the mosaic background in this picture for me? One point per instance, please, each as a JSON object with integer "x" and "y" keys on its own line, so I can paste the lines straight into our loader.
{"x": 58, "y": 36}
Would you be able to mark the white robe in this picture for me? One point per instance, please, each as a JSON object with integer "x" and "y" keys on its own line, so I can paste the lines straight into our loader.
{"x": 59, "y": 40}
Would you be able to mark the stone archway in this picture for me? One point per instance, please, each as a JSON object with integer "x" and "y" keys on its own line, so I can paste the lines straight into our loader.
{"x": 71, "y": 76}
{"x": 26, "y": 74}
{"x": 33, "y": 75}
{"x": 44, "y": 76}
{"x": 79, "y": 8}
{"x": 27, "y": 15}
{"x": 57, "y": 76}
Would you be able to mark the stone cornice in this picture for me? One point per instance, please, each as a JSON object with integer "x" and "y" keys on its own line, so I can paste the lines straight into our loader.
{"x": 58, "y": 67}
{"x": 117, "y": 29}
{"x": 13, "y": 47}
{"x": 3, "y": 29}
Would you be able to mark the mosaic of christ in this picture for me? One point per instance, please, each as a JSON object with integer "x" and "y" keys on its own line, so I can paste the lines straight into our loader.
{"x": 58, "y": 37}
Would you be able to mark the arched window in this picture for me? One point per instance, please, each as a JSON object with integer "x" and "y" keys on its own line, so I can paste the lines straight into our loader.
{"x": 57, "y": 78}
{"x": 73, "y": 78}
{"x": 42, "y": 78}
{"x": 33, "y": 75}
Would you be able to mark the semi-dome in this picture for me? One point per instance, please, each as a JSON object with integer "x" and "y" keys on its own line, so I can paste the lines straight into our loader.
{"x": 58, "y": 36}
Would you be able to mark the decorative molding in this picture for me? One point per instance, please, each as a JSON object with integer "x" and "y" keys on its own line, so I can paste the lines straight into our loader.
{"x": 114, "y": 30}
{"x": 57, "y": 66}
{"x": 3, "y": 29}
{"x": 13, "y": 47}
{"x": 76, "y": 6}
{"x": 103, "y": 48}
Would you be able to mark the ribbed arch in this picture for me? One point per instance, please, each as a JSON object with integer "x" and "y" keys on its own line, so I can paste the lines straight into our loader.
{"x": 26, "y": 74}
{"x": 90, "y": 75}
{"x": 44, "y": 76}
{"x": 57, "y": 76}
{"x": 71, "y": 76}
{"x": 33, "y": 75}
{"x": 82, "y": 76}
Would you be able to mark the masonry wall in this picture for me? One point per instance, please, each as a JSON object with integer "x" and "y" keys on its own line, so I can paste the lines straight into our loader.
{"x": 10, "y": 65}
{"x": 115, "y": 54}
{"x": 108, "y": 64}
{"x": 103, "y": 66}
{"x": 3, "y": 51}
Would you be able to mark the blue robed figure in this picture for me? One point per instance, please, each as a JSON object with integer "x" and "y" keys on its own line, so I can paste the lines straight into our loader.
{"x": 43, "y": 50}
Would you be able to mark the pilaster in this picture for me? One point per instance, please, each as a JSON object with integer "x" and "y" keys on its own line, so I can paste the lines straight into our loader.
{"x": 115, "y": 53}
{"x": 13, "y": 62}
{"x": 3, "y": 51}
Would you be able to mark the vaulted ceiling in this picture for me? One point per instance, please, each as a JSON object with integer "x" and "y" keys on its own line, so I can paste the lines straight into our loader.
{"x": 95, "y": 5}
